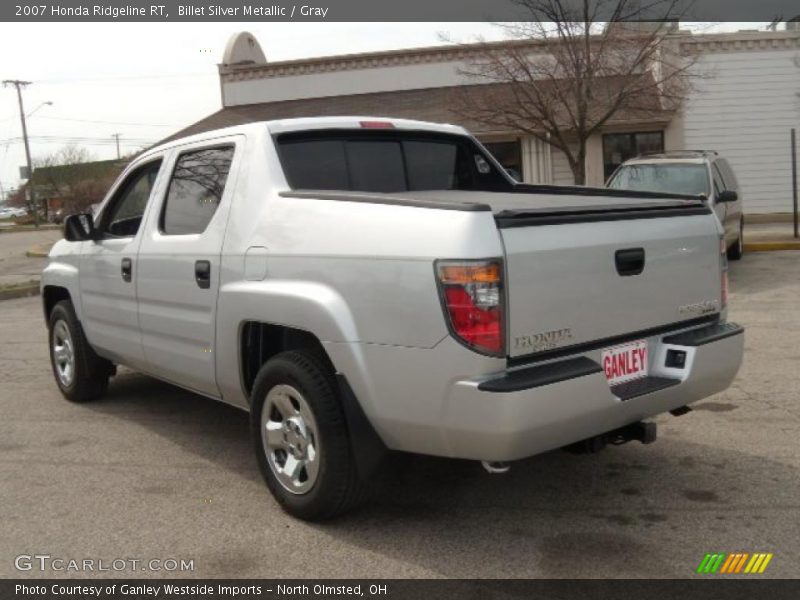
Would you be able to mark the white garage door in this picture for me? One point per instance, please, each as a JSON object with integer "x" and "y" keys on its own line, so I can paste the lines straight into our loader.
{"x": 745, "y": 111}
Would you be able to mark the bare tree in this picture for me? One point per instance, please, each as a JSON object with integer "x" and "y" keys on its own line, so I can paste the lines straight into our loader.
{"x": 72, "y": 176}
{"x": 576, "y": 66}
{"x": 57, "y": 174}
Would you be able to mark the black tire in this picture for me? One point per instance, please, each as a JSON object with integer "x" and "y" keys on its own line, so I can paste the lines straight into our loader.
{"x": 337, "y": 486}
{"x": 736, "y": 251}
{"x": 90, "y": 374}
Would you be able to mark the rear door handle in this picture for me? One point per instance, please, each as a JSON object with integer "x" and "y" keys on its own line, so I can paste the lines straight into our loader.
{"x": 629, "y": 261}
{"x": 126, "y": 269}
{"x": 202, "y": 273}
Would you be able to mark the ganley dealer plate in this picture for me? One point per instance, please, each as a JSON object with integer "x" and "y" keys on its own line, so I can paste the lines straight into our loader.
{"x": 625, "y": 362}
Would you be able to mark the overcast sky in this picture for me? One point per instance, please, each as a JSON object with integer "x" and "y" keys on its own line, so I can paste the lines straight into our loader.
{"x": 145, "y": 81}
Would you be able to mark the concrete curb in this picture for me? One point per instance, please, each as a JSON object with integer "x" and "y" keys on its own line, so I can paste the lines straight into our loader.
{"x": 759, "y": 218}
{"x": 20, "y": 291}
{"x": 39, "y": 251}
{"x": 23, "y": 229}
{"x": 771, "y": 246}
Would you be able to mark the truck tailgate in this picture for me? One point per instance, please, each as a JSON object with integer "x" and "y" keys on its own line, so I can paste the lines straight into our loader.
{"x": 575, "y": 280}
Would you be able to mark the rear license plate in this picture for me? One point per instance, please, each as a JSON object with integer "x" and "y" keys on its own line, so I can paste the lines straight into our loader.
{"x": 625, "y": 362}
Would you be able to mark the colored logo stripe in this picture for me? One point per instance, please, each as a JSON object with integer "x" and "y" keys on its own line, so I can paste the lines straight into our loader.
{"x": 710, "y": 563}
{"x": 735, "y": 562}
{"x": 758, "y": 563}
{"x": 728, "y": 563}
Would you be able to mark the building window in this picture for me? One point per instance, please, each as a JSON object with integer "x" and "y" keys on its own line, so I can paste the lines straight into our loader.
{"x": 509, "y": 155}
{"x": 619, "y": 147}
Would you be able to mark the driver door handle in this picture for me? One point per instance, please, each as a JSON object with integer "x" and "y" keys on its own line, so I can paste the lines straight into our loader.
{"x": 202, "y": 273}
{"x": 126, "y": 269}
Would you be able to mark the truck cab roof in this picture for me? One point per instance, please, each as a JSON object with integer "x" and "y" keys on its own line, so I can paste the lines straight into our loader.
{"x": 314, "y": 123}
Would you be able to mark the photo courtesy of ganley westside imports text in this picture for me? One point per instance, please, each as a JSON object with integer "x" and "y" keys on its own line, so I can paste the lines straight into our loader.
{"x": 178, "y": 590}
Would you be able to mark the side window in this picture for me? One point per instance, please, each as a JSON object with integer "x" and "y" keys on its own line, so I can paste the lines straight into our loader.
{"x": 195, "y": 190}
{"x": 719, "y": 181}
{"x": 727, "y": 173}
{"x": 127, "y": 207}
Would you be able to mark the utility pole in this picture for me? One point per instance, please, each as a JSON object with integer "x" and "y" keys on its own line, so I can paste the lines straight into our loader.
{"x": 794, "y": 183}
{"x": 116, "y": 137}
{"x": 31, "y": 192}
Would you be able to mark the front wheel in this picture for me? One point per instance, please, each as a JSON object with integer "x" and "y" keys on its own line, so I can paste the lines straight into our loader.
{"x": 301, "y": 438}
{"x": 81, "y": 375}
{"x": 736, "y": 251}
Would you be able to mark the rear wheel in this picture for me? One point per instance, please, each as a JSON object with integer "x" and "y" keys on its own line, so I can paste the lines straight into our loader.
{"x": 301, "y": 438}
{"x": 736, "y": 251}
{"x": 81, "y": 375}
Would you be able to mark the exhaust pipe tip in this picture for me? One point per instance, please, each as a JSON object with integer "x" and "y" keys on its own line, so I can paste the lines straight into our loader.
{"x": 495, "y": 467}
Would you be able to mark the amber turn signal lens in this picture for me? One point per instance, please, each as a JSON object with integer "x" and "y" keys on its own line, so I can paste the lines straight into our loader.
{"x": 466, "y": 274}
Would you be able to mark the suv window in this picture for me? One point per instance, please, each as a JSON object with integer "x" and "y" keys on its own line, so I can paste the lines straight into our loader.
{"x": 727, "y": 174}
{"x": 719, "y": 180}
{"x": 386, "y": 161}
{"x": 128, "y": 204}
{"x": 675, "y": 177}
{"x": 195, "y": 190}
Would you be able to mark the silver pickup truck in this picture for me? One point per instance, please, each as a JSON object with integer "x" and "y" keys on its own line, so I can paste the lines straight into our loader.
{"x": 363, "y": 284}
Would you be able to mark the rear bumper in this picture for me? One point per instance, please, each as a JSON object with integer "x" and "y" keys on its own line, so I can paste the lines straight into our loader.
{"x": 529, "y": 410}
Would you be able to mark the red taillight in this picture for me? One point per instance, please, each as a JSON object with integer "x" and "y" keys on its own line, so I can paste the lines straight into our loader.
{"x": 472, "y": 294}
{"x": 376, "y": 124}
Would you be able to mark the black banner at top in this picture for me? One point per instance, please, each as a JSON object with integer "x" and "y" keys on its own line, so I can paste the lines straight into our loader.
{"x": 362, "y": 10}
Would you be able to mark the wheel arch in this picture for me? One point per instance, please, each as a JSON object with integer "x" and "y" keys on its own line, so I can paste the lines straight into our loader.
{"x": 259, "y": 341}
{"x": 52, "y": 295}
{"x": 60, "y": 282}
{"x": 286, "y": 315}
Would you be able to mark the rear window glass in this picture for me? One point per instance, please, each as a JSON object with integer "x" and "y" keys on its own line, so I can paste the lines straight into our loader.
{"x": 376, "y": 166}
{"x": 673, "y": 178}
{"x": 385, "y": 162}
{"x": 431, "y": 165}
{"x": 317, "y": 164}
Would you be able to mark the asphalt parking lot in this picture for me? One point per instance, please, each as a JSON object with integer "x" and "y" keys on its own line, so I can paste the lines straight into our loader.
{"x": 155, "y": 472}
{"x": 15, "y": 266}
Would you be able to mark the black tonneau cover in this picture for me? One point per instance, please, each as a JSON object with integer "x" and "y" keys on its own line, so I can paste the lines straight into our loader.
{"x": 532, "y": 205}
{"x": 607, "y": 212}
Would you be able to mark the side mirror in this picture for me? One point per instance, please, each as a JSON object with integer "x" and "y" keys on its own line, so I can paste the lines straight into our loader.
{"x": 727, "y": 196}
{"x": 79, "y": 228}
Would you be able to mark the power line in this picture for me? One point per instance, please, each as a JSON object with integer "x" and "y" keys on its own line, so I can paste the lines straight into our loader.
{"x": 78, "y": 139}
{"x": 123, "y": 78}
{"x": 107, "y": 122}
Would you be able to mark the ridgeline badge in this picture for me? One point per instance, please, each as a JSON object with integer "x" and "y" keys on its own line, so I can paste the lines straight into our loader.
{"x": 698, "y": 308}
{"x": 544, "y": 340}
